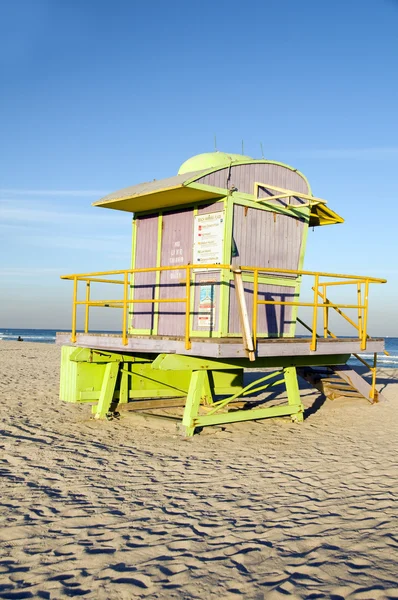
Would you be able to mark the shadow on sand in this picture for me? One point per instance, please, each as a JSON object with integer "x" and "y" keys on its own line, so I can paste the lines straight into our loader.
{"x": 384, "y": 378}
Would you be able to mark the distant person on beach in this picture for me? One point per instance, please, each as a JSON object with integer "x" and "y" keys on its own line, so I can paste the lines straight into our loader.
{"x": 19, "y": 339}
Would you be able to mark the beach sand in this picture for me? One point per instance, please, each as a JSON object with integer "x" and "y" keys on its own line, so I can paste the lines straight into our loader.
{"x": 128, "y": 508}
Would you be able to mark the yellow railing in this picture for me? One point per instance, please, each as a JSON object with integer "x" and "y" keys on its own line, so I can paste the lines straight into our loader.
{"x": 320, "y": 297}
{"x": 319, "y": 289}
{"x": 285, "y": 194}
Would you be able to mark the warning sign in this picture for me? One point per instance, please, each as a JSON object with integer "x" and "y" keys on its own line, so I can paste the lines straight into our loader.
{"x": 208, "y": 238}
{"x": 206, "y": 307}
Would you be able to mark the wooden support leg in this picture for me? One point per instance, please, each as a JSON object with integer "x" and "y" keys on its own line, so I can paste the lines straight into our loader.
{"x": 124, "y": 384}
{"x": 293, "y": 393}
{"x": 107, "y": 390}
{"x": 199, "y": 392}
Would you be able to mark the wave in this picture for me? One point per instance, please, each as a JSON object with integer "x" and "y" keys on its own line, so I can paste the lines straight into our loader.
{"x": 387, "y": 360}
{"x": 379, "y": 354}
{"x": 27, "y": 338}
{"x": 38, "y": 337}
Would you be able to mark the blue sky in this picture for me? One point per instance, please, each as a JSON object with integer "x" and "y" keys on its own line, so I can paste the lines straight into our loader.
{"x": 99, "y": 95}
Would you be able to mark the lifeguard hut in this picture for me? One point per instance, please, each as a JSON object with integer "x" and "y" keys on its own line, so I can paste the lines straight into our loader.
{"x": 213, "y": 289}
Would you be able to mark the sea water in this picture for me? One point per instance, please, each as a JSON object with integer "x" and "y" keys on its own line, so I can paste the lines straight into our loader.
{"x": 47, "y": 336}
{"x": 42, "y": 336}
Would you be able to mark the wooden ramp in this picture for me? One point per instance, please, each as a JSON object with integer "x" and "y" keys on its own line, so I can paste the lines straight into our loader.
{"x": 337, "y": 381}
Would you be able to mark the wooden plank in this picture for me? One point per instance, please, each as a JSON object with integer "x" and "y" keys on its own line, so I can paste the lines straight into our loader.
{"x": 357, "y": 382}
{"x": 338, "y": 387}
{"x": 219, "y": 348}
{"x": 357, "y": 386}
{"x": 144, "y": 404}
{"x": 225, "y": 340}
{"x": 243, "y": 315}
{"x": 297, "y": 348}
{"x": 332, "y": 394}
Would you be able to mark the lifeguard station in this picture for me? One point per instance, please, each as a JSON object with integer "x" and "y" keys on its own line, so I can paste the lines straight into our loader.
{"x": 213, "y": 289}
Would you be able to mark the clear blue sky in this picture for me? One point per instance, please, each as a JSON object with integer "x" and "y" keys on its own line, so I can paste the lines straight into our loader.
{"x": 99, "y": 95}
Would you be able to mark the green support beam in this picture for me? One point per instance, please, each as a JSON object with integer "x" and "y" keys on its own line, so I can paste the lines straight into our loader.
{"x": 197, "y": 396}
{"x": 107, "y": 390}
{"x": 293, "y": 393}
{"x": 109, "y": 379}
{"x": 199, "y": 393}
{"x": 246, "y": 415}
{"x": 179, "y": 362}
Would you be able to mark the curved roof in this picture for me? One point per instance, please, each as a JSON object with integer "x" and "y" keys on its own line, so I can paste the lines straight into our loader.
{"x": 183, "y": 189}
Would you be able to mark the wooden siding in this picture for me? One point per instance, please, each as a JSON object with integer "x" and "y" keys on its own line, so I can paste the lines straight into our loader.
{"x": 210, "y": 208}
{"x": 177, "y": 248}
{"x": 271, "y": 320}
{"x": 243, "y": 178}
{"x": 146, "y": 229}
{"x": 260, "y": 238}
{"x": 265, "y": 239}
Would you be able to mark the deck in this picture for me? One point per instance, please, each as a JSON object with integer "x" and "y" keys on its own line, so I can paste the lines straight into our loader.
{"x": 219, "y": 347}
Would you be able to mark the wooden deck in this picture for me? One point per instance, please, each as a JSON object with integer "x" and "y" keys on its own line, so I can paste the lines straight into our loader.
{"x": 219, "y": 347}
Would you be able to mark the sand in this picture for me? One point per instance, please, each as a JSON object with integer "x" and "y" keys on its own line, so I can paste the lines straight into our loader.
{"x": 124, "y": 509}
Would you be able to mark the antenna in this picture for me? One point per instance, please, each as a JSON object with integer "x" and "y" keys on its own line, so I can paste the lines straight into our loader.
{"x": 215, "y": 143}
{"x": 262, "y": 151}
{"x": 243, "y": 149}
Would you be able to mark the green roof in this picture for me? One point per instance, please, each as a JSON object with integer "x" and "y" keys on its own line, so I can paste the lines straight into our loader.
{"x": 208, "y": 160}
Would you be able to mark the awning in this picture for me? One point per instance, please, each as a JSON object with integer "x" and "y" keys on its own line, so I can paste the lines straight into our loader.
{"x": 158, "y": 194}
{"x": 323, "y": 215}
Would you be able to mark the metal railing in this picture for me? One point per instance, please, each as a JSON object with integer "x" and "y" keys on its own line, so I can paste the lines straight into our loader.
{"x": 320, "y": 290}
{"x": 286, "y": 195}
{"x": 320, "y": 297}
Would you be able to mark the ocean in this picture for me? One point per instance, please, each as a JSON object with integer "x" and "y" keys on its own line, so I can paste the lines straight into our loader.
{"x": 47, "y": 336}
{"x": 42, "y": 336}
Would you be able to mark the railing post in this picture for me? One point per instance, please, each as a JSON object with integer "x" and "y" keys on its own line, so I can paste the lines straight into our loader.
{"x": 86, "y": 320}
{"x": 359, "y": 299}
{"x": 315, "y": 314}
{"x": 74, "y": 308}
{"x": 125, "y": 298}
{"x": 255, "y": 308}
{"x": 188, "y": 308}
{"x": 325, "y": 313}
{"x": 373, "y": 392}
{"x": 365, "y": 316}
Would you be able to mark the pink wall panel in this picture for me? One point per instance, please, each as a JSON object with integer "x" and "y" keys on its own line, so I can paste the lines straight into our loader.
{"x": 177, "y": 248}
{"x": 144, "y": 283}
{"x": 266, "y": 239}
{"x": 243, "y": 177}
{"x": 271, "y": 320}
